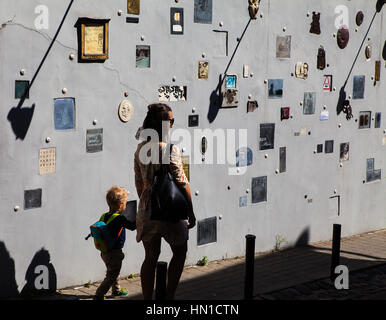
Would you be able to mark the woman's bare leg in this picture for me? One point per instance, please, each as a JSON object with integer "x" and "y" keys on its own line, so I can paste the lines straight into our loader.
{"x": 152, "y": 252}
{"x": 176, "y": 267}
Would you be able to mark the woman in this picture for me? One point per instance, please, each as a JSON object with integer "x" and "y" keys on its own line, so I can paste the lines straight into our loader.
{"x": 151, "y": 231}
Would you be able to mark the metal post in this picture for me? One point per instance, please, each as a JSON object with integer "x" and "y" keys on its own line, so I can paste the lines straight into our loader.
{"x": 249, "y": 266}
{"x": 160, "y": 287}
{"x": 335, "y": 255}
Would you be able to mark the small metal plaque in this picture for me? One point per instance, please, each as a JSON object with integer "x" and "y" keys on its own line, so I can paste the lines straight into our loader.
{"x": 324, "y": 114}
{"x": 301, "y": 70}
{"x": 259, "y": 189}
{"x": 176, "y": 20}
{"x": 244, "y": 157}
{"x": 94, "y": 140}
{"x": 283, "y": 47}
{"x": 252, "y": 106}
{"x": 275, "y": 88}
{"x": 309, "y": 102}
{"x": 172, "y": 93}
{"x": 377, "y": 76}
{"x": 364, "y": 119}
{"x": 319, "y": 148}
{"x": 21, "y": 89}
{"x": 243, "y": 201}
{"x": 203, "y": 11}
{"x": 344, "y": 151}
{"x": 142, "y": 54}
{"x": 203, "y": 70}
{"x": 315, "y": 24}
{"x": 284, "y": 113}
{"x": 193, "y": 120}
{"x": 207, "y": 231}
{"x": 32, "y": 199}
{"x": 64, "y": 114}
{"x": 230, "y": 81}
{"x": 327, "y": 84}
{"x": 47, "y": 161}
{"x": 282, "y": 159}
{"x": 321, "y": 59}
{"x": 133, "y": 7}
{"x": 125, "y": 110}
{"x": 371, "y": 173}
{"x": 186, "y": 165}
{"x": 377, "y": 120}
{"x": 329, "y": 146}
{"x": 132, "y": 19}
{"x": 267, "y": 136}
{"x": 204, "y": 145}
{"x": 359, "y": 87}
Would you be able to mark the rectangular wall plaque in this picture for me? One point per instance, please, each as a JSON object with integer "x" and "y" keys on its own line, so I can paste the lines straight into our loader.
{"x": 64, "y": 114}
{"x": 371, "y": 173}
{"x": 172, "y": 93}
{"x": 377, "y": 70}
{"x": 359, "y": 87}
{"x": 21, "y": 89}
{"x": 133, "y": 6}
{"x": 344, "y": 151}
{"x": 309, "y": 102}
{"x": 329, "y": 146}
{"x": 283, "y": 159}
{"x": 176, "y": 20}
{"x": 275, "y": 88}
{"x": 364, "y": 119}
{"x": 186, "y": 165}
{"x": 94, "y": 44}
{"x": 243, "y": 201}
{"x": 377, "y": 120}
{"x": 259, "y": 189}
{"x": 94, "y": 140}
{"x": 252, "y": 106}
{"x": 47, "y": 161}
{"x": 207, "y": 231}
{"x": 244, "y": 157}
{"x": 267, "y": 136}
{"x": 203, "y": 11}
{"x": 283, "y": 47}
{"x": 142, "y": 54}
{"x": 32, "y": 199}
{"x": 319, "y": 148}
{"x": 193, "y": 120}
{"x": 203, "y": 70}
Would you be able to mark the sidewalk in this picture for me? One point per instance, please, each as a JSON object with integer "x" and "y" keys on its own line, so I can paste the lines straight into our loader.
{"x": 274, "y": 271}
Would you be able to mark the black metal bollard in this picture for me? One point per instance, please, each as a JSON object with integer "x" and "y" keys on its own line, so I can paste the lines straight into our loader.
{"x": 160, "y": 286}
{"x": 249, "y": 266}
{"x": 335, "y": 255}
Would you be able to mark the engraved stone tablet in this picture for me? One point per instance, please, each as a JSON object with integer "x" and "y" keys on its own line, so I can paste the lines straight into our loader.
{"x": 125, "y": 110}
{"x": 64, "y": 114}
{"x": 32, "y": 199}
{"x": 259, "y": 189}
{"x": 94, "y": 140}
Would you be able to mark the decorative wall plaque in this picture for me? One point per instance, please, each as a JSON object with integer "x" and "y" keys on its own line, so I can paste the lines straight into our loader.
{"x": 284, "y": 113}
{"x": 368, "y": 52}
{"x": 94, "y": 140}
{"x": 125, "y": 110}
{"x": 359, "y": 18}
{"x": 32, "y": 199}
{"x": 21, "y": 89}
{"x": 321, "y": 59}
{"x": 142, "y": 57}
{"x": 324, "y": 114}
{"x": 176, "y": 20}
{"x": 47, "y": 161}
{"x": 243, "y": 201}
{"x": 64, "y": 114}
{"x": 203, "y": 70}
{"x": 315, "y": 24}
{"x": 133, "y": 7}
{"x": 377, "y": 76}
{"x": 319, "y": 148}
{"x": 193, "y": 120}
{"x": 377, "y": 120}
{"x": 172, "y": 93}
{"x": 309, "y": 102}
{"x": 94, "y": 39}
{"x": 283, "y": 47}
{"x": 203, "y": 11}
{"x": 275, "y": 88}
{"x": 358, "y": 87}
{"x": 371, "y": 173}
{"x": 329, "y": 146}
{"x": 327, "y": 83}
{"x": 244, "y": 157}
{"x": 253, "y": 8}
{"x": 207, "y": 231}
{"x": 230, "y": 92}
{"x": 267, "y": 136}
{"x": 259, "y": 189}
{"x": 186, "y": 165}
{"x": 252, "y": 106}
{"x": 343, "y": 37}
{"x": 204, "y": 145}
{"x": 282, "y": 159}
{"x": 301, "y": 70}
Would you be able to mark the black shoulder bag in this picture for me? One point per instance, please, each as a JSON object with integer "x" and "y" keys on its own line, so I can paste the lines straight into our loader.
{"x": 168, "y": 203}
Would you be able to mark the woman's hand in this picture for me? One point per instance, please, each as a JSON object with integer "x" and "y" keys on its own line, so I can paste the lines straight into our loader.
{"x": 191, "y": 220}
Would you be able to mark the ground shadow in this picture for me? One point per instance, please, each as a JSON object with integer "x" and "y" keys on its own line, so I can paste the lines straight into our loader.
{"x": 40, "y": 276}
{"x": 8, "y": 285}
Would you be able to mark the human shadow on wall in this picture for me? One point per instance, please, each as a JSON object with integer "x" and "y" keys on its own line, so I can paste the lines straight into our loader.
{"x": 40, "y": 276}
{"x": 215, "y": 99}
{"x": 303, "y": 239}
{"x": 384, "y": 51}
{"x": 8, "y": 285}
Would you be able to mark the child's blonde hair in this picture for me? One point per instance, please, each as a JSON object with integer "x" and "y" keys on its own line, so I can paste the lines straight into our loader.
{"x": 116, "y": 198}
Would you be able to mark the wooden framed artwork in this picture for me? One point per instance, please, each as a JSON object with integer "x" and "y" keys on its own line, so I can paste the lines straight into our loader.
{"x": 94, "y": 39}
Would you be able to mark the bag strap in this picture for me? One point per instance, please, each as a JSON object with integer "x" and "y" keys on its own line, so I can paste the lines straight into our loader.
{"x": 113, "y": 216}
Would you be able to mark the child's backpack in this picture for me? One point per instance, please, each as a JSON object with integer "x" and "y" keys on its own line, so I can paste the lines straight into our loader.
{"x": 103, "y": 239}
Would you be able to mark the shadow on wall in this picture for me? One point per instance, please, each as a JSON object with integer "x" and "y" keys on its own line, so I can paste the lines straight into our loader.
{"x": 20, "y": 119}
{"x": 8, "y": 285}
{"x": 40, "y": 276}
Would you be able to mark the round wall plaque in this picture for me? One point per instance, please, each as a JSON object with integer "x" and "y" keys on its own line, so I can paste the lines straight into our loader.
{"x": 125, "y": 110}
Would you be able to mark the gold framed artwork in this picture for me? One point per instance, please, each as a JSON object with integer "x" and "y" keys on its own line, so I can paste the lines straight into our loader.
{"x": 94, "y": 39}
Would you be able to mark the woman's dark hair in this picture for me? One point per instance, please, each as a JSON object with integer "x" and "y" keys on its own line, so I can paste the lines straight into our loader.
{"x": 156, "y": 113}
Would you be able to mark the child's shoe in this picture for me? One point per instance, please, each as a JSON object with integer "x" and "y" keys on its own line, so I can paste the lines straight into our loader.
{"x": 122, "y": 292}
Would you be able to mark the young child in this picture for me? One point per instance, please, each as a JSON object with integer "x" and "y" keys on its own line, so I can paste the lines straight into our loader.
{"x": 116, "y": 199}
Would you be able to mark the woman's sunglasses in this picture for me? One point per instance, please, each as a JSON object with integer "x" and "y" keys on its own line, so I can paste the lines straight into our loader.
{"x": 171, "y": 121}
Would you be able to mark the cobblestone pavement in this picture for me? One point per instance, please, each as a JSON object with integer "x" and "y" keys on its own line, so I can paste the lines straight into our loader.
{"x": 367, "y": 284}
